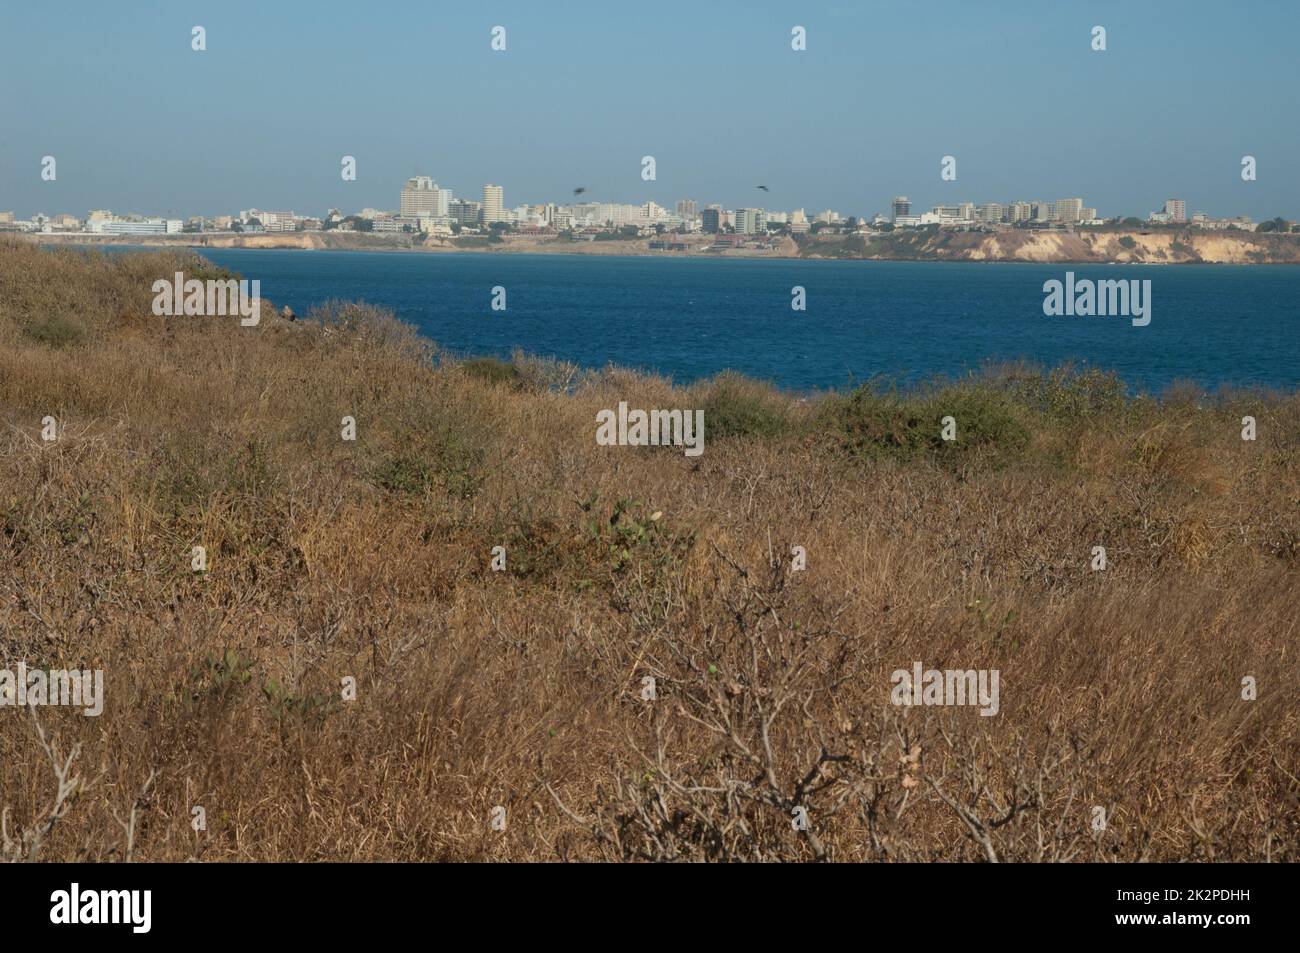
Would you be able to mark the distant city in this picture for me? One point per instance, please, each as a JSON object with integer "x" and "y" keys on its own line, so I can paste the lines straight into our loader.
{"x": 425, "y": 208}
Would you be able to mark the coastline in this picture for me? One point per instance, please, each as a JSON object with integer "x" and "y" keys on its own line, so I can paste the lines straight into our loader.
{"x": 1096, "y": 247}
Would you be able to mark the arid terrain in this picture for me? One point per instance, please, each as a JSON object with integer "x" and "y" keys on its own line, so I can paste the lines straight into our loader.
{"x": 1099, "y": 245}
{"x": 1147, "y": 710}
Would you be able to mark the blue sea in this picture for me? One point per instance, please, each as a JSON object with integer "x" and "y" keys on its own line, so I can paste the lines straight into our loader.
{"x": 688, "y": 318}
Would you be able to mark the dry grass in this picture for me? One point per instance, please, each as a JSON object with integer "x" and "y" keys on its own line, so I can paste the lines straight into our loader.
{"x": 1119, "y": 689}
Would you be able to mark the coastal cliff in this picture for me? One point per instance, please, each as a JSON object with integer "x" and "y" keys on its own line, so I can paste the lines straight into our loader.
{"x": 1187, "y": 246}
{"x": 1101, "y": 245}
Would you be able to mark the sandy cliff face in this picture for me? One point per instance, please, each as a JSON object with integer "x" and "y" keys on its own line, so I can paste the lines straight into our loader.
{"x": 290, "y": 240}
{"x": 1123, "y": 246}
{"x": 1032, "y": 246}
{"x": 1218, "y": 247}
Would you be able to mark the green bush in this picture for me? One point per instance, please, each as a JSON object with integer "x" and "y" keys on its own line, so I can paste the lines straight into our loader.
{"x": 986, "y": 418}
{"x": 876, "y": 423}
{"x": 1065, "y": 394}
{"x": 442, "y": 456}
{"x": 403, "y": 473}
{"x": 734, "y": 407}
{"x": 54, "y": 331}
{"x": 493, "y": 371}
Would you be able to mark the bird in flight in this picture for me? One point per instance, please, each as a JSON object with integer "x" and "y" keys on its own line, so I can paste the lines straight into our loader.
{"x": 579, "y": 190}
{"x": 765, "y": 188}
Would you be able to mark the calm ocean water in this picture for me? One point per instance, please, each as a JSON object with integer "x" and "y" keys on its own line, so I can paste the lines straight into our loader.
{"x": 690, "y": 318}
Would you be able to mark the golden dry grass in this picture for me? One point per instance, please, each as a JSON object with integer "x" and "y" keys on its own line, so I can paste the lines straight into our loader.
{"x": 1119, "y": 689}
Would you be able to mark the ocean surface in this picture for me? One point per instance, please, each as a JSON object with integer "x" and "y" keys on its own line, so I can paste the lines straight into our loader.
{"x": 1213, "y": 325}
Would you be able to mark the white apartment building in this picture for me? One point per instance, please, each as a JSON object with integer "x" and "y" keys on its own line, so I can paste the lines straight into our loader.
{"x": 600, "y": 214}
{"x": 148, "y": 226}
{"x": 750, "y": 221}
{"x": 422, "y": 197}
{"x": 1067, "y": 210}
{"x": 494, "y": 198}
{"x": 652, "y": 212}
{"x": 1019, "y": 212}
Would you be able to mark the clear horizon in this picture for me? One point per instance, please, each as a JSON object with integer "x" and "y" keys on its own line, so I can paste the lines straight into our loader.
{"x": 139, "y": 122}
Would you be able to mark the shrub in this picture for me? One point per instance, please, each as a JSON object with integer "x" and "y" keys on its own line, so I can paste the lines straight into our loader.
{"x": 435, "y": 453}
{"x": 734, "y": 406}
{"x": 403, "y": 473}
{"x": 876, "y": 423}
{"x": 54, "y": 331}
{"x": 492, "y": 370}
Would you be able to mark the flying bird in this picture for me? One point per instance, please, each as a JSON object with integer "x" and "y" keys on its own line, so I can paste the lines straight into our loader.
{"x": 579, "y": 190}
{"x": 765, "y": 188}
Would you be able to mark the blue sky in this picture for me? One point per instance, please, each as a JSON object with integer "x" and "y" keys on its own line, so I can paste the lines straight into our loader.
{"x": 139, "y": 122}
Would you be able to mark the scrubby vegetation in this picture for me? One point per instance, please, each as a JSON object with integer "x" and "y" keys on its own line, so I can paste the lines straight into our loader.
{"x": 525, "y": 688}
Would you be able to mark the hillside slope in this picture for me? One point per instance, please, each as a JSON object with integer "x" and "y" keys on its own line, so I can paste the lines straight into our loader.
{"x": 654, "y": 673}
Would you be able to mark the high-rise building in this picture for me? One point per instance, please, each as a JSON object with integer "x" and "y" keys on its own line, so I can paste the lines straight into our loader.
{"x": 422, "y": 197}
{"x": 1019, "y": 212}
{"x": 750, "y": 221}
{"x": 712, "y": 219}
{"x": 900, "y": 206}
{"x": 1176, "y": 209}
{"x": 494, "y": 199}
{"x": 617, "y": 214}
{"x": 653, "y": 212}
{"x": 989, "y": 212}
{"x": 1067, "y": 210}
{"x": 464, "y": 212}
{"x": 687, "y": 208}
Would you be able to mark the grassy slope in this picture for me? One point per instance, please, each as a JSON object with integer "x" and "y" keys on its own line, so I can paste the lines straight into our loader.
{"x": 522, "y": 689}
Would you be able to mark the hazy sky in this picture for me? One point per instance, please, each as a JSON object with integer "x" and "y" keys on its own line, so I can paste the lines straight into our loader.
{"x": 140, "y": 122}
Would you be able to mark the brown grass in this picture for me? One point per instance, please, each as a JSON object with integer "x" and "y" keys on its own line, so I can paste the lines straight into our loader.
{"x": 1119, "y": 689}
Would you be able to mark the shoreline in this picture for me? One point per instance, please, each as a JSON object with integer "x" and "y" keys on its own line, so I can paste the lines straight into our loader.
{"x": 1102, "y": 247}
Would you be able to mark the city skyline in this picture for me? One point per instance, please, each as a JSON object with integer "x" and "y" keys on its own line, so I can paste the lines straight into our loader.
{"x": 138, "y": 120}
{"x": 423, "y": 202}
